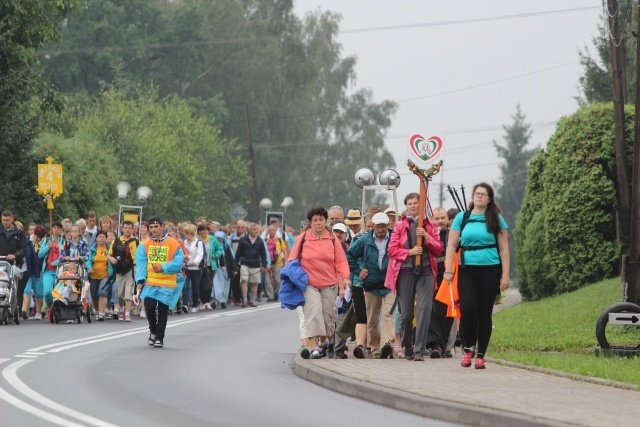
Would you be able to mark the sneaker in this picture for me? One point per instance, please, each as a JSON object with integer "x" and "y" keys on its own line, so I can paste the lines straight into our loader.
{"x": 38, "y": 316}
{"x": 151, "y": 340}
{"x": 466, "y": 359}
{"x": 319, "y": 352}
{"x": 158, "y": 344}
{"x": 223, "y": 305}
{"x": 185, "y": 309}
{"x": 418, "y": 357}
{"x": 435, "y": 353}
{"x": 143, "y": 314}
{"x": 341, "y": 355}
{"x": 447, "y": 354}
{"x": 194, "y": 310}
{"x": 386, "y": 351}
{"x": 331, "y": 350}
{"x": 305, "y": 353}
{"x": 213, "y": 306}
{"x": 480, "y": 363}
{"x": 127, "y": 318}
{"x": 100, "y": 317}
{"x": 358, "y": 352}
{"x": 24, "y": 315}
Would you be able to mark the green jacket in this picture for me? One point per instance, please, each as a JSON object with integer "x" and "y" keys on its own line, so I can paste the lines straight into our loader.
{"x": 363, "y": 253}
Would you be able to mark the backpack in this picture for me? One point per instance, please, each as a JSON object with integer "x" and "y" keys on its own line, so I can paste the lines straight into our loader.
{"x": 275, "y": 256}
{"x": 122, "y": 252}
{"x": 203, "y": 261}
{"x": 466, "y": 219}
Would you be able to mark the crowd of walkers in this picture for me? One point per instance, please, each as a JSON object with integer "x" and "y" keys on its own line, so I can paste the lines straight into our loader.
{"x": 367, "y": 283}
{"x": 371, "y": 282}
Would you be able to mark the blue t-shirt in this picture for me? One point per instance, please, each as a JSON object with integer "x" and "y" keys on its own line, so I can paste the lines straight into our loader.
{"x": 476, "y": 234}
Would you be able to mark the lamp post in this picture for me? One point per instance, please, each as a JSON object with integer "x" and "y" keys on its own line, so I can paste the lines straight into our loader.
{"x": 132, "y": 213}
{"x": 266, "y": 204}
{"x": 389, "y": 180}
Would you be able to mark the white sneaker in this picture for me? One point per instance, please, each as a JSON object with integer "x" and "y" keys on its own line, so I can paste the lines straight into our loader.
{"x": 194, "y": 310}
{"x": 207, "y": 306}
{"x": 38, "y": 316}
{"x": 143, "y": 314}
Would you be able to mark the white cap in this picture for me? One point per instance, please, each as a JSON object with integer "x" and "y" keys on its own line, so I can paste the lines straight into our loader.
{"x": 339, "y": 227}
{"x": 380, "y": 218}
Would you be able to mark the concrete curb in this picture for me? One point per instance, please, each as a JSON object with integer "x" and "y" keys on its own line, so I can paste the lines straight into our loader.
{"x": 436, "y": 409}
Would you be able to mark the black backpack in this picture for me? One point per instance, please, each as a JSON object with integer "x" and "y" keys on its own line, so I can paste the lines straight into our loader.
{"x": 122, "y": 252}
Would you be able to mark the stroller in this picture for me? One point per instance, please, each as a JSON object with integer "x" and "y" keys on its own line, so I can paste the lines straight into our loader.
{"x": 9, "y": 276}
{"x": 68, "y": 303}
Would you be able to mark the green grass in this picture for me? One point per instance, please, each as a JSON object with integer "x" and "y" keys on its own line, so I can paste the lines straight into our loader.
{"x": 559, "y": 333}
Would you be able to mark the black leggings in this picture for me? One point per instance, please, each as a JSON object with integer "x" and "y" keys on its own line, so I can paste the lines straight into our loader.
{"x": 478, "y": 287}
{"x": 359, "y": 306}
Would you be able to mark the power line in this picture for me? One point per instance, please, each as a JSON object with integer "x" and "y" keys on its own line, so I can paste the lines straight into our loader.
{"x": 240, "y": 40}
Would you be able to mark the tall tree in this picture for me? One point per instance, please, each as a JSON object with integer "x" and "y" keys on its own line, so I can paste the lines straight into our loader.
{"x": 25, "y": 25}
{"x": 511, "y": 187}
{"x": 223, "y": 56}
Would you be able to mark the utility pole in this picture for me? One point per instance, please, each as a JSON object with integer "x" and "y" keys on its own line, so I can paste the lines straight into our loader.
{"x": 633, "y": 289}
{"x": 252, "y": 169}
{"x": 617, "y": 65}
{"x": 441, "y": 189}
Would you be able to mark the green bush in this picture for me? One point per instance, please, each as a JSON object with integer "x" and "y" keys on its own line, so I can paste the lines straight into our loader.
{"x": 573, "y": 184}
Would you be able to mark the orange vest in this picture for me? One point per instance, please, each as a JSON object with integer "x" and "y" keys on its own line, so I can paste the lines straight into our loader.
{"x": 160, "y": 253}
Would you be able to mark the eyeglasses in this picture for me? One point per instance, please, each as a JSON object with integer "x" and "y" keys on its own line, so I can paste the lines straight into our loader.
{"x": 476, "y": 194}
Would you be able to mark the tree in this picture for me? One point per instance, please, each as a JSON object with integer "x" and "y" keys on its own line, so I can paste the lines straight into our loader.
{"x": 222, "y": 56}
{"x": 573, "y": 184}
{"x": 25, "y": 25}
{"x": 511, "y": 188}
{"x": 596, "y": 82}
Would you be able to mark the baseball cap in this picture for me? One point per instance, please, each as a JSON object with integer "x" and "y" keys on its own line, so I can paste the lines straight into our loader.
{"x": 380, "y": 218}
{"x": 339, "y": 227}
{"x": 155, "y": 220}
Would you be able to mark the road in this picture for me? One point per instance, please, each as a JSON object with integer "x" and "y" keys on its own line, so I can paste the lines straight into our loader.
{"x": 218, "y": 368}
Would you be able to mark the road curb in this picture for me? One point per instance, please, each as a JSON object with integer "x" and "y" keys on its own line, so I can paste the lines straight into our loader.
{"x": 437, "y": 409}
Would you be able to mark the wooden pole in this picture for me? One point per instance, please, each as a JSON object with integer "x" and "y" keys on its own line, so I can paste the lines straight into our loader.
{"x": 252, "y": 169}
{"x": 423, "y": 201}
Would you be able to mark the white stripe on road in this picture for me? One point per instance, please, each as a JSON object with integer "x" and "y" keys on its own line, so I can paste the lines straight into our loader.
{"x": 33, "y": 353}
{"x": 26, "y": 356}
{"x": 10, "y": 374}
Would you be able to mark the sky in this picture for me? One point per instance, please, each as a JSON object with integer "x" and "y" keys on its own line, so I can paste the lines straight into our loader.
{"x": 464, "y": 80}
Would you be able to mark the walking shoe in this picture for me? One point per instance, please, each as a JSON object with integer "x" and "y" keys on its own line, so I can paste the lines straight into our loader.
{"x": 466, "y": 359}
{"x": 341, "y": 355}
{"x": 24, "y": 315}
{"x": 38, "y": 316}
{"x": 305, "y": 353}
{"x": 386, "y": 351}
{"x": 243, "y": 305}
{"x": 358, "y": 352}
{"x": 194, "y": 310}
{"x": 158, "y": 344}
{"x": 185, "y": 309}
{"x": 223, "y": 305}
{"x": 127, "y": 318}
{"x": 100, "y": 317}
{"x": 151, "y": 340}
{"x": 319, "y": 352}
{"x": 435, "y": 353}
{"x": 252, "y": 304}
{"x": 418, "y": 357}
{"x": 447, "y": 354}
{"x": 331, "y": 350}
{"x": 120, "y": 316}
{"x": 143, "y": 314}
{"x": 480, "y": 363}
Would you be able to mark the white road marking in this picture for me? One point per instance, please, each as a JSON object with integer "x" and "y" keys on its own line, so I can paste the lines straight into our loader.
{"x": 33, "y": 353}
{"x": 252, "y": 310}
{"x": 10, "y": 374}
{"x": 26, "y": 356}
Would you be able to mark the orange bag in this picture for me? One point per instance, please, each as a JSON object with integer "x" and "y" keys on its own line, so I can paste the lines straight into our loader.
{"x": 448, "y": 291}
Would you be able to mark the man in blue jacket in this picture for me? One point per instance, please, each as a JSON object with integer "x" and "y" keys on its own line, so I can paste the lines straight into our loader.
{"x": 368, "y": 259}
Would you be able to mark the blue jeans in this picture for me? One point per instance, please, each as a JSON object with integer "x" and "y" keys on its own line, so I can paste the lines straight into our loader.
{"x": 192, "y": 281}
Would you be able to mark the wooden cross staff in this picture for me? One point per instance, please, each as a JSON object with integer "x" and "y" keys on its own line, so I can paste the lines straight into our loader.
{"x": 424, "y": 175}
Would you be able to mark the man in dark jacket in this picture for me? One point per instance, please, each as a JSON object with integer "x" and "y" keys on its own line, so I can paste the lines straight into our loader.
{"x": 252, "y": 258}
{"x": 13, "y": 242}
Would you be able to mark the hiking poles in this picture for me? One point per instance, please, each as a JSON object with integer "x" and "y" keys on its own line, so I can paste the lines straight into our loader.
{"x": 464, "y": 198}
{"x": 456, "y": 198}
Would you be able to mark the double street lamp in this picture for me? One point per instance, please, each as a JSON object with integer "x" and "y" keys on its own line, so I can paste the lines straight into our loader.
{"x": 389, "y": 180}
{"x": 266, "y": 204}
{"x": 131, "y": 213}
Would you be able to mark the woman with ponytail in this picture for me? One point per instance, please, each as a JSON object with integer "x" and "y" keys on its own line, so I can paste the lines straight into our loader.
{"x": 481, "y": 235}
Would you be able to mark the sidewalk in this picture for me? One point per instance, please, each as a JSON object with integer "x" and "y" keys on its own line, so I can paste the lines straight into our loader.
{"x": 498, "y": 396}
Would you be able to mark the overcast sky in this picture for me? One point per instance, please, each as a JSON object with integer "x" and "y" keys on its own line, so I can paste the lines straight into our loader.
{"x": 469, "y": 76}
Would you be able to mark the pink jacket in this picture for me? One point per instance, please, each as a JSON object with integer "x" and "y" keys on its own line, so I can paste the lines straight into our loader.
{"x": 399, "y": 254}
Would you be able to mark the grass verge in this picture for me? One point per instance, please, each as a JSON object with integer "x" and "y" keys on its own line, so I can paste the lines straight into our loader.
{"x": 559, "y": 333}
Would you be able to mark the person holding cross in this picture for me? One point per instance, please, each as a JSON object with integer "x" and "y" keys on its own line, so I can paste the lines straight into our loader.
{"x": 413, "y": 283}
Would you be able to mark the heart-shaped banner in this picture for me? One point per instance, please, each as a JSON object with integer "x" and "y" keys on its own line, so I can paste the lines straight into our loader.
{"x": 426, "y": 149}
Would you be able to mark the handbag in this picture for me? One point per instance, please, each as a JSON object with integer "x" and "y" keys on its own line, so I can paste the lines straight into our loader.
{"x": 347, "y": 326}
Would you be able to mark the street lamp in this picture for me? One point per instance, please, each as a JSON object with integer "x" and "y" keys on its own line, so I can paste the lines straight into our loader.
{"x": 131, "y": 213}
{"x": 389, "y": 180}
{"x": 266, "y": 204}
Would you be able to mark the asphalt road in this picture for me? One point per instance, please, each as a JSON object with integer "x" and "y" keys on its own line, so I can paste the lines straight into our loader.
{"x": 218, "y": 368}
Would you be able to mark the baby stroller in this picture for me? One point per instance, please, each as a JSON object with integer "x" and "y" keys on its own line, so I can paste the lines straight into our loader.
{"x": 9, "y": 276}
{"x": 67, "y": 293}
